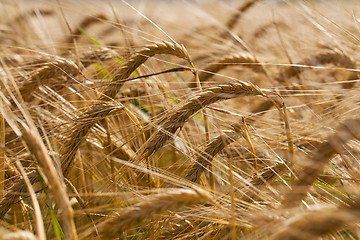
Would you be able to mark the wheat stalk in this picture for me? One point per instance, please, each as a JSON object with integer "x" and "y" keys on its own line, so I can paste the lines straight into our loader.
{"x": 37, "y": 212}
{"x": 2, "y": 153}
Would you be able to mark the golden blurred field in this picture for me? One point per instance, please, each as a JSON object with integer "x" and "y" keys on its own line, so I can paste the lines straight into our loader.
{"x": 179, "y": 119}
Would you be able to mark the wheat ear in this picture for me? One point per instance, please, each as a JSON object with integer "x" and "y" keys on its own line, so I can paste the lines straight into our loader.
{"x": 149, "y": 207}
{"x": 245, "y": 59}
{"x": 346, "y": 131}
{"x": 58, "y": 67}
{"x": 338, "y": 59}
{"x": 138, "y": 59}
{"x": 37, "y": 148}
{"x": 79, "y": 130}
{"x": 174, "y": 120}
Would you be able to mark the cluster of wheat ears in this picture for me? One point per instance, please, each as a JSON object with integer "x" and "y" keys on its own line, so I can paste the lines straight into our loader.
{"x": 179, "y": 120}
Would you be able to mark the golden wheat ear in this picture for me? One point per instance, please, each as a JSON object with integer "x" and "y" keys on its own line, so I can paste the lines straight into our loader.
{"x": 139, "y": 58}
{"x": 52, "y": 69}
{"x": 25, "y": 128}
{"x": 176, "y": 119}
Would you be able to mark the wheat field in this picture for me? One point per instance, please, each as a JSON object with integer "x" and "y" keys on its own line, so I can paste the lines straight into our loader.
{"x": 188, "y": 119}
